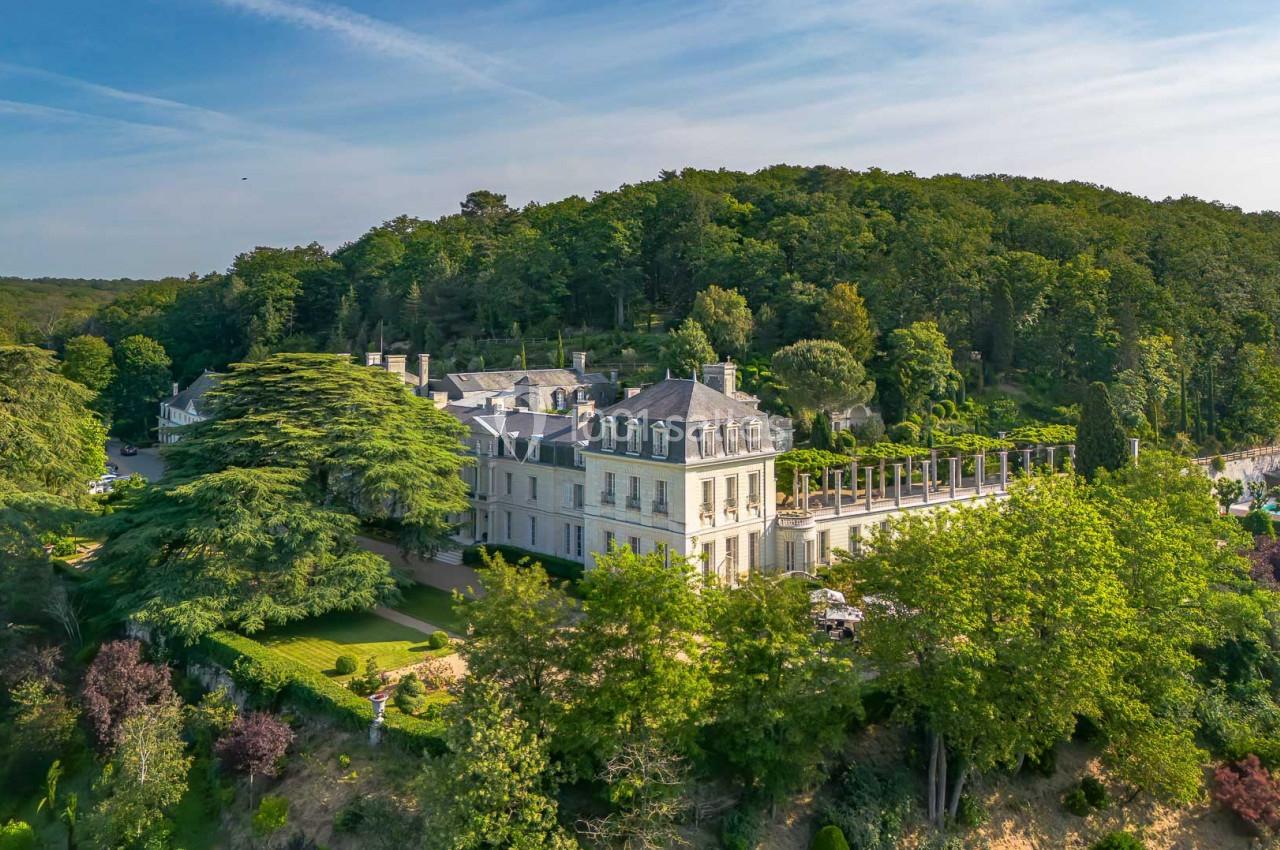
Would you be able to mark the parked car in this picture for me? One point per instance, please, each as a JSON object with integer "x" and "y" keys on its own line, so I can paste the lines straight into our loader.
{"x": 129, "y": 451}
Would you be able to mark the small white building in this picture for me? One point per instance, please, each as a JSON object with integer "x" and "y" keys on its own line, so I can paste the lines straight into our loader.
{"x": 185, "y": 407}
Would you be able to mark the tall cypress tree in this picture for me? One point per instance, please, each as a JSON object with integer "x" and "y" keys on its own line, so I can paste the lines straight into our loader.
{"x": 1100, "y": 438}
{"x": 820, "y": 437}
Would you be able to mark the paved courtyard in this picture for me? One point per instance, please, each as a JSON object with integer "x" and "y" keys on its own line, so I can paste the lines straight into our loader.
{"x": 146, "y": 462}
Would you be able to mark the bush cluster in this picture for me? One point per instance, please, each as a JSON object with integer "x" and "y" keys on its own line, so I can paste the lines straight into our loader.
{"x": 871, "y": 806}
{"x": 555, "y": 567}
{"x": 1088, "y": 795}
{"x": 1118, "y": 841}
{"x": 740, "y": 829}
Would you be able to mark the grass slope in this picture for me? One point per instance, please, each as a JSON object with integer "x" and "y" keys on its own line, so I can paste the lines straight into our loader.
{"x": 432, "y": 605}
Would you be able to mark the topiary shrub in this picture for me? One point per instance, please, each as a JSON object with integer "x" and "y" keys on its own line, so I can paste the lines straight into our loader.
{"x": 438, "y": 640}
{"x": 829, "y": 838}
{"x": 1118, "y": 841}
{"x": 1075, "y": 802}
{"x": 409, "y": 694}
{"x": 346, "y": 665}
{"x": 1095, "y": 792}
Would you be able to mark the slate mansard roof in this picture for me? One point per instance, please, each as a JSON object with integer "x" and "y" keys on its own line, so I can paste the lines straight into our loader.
{"x": 458, "y": 383}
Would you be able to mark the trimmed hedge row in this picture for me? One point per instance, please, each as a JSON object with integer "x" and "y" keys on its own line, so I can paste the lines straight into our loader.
{"x": 275, "y": 679}
{"x": 555, "y": 567}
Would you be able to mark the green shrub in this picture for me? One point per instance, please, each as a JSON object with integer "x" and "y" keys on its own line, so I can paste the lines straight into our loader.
{"x": 740, "y": 829}
{"x": 346, "y": 665}
{"x": 871, "y": 806}
{"x": 970, "y": 813}
{"x": 907, "y": 433}
{"x": 344, "y": 761}
{"x": 1218, "y": 464}
{"x": 1075, "y": 802}
{"x": 17, "y": 835}
{"x": 829, "y": 838}
{"x": 272, "y": 815}
{"x": 409, "y": 694}
{"x": 1043, "y": 763}
{"x": 370, "y": 681}
{"x": 1118, "y": 841}
{"x": 64, "y": 547}
{"x": 438, "y": 640}
{"x": 1095, "y": 792}
{"x": 556, "y": 567}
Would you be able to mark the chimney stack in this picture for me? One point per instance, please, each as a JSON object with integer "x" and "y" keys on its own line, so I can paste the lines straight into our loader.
{"x": 582, "y": 411}
{"x": 580, "y": 362}
{"x": 395, "y": 363}
{"x": 373, "y": 358}
{"x": 722, "y": 377}
{"x": 424, "y": 370}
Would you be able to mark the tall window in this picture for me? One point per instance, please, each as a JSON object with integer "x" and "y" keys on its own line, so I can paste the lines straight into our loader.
{"x": 610, "y": 488}
{"x": 577, "y": 540}
{"x": 533, "y": 531}
{"x": 708, "y": 556}
{"x": 578, "y": 459}
{"x": 708, "y": 496}
{"x": 533, "y": 488}
{"x": 579, "y": 495}
{"x": 731, "y": 556}
{"x": 568, "y": 538}
{"x": 508, "y": 525}
{"x": 824, "y": 547}
{"x": 731, "y": 491}
{"x": 753, "y": 488}
{"x": 753, "y": 437}
{"x": 633, "y": 492}
{"x": 660, "y": 496}
{"x": 609, "y": 438}
{"x": 507, "y": 480}
{"x": 659, "y": 441}
{"x": 633, "y": 436}
{"x": 535, "y": 449}
{"x": 707, "y": 441}
{"x": 789, "y": 554}
{"x": 634, "y": 543}
{"x": 731, "y": 439}
{"x": 855, "y": 539}
{"x": 753, "y": 551}
{"x": 609, "y": 538}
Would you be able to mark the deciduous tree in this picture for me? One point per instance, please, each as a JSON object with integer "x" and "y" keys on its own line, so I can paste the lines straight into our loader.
{"x": 686, "y": 349}
{"x": 119, "y": 685}
{"x": 142, "y": 379}
{"x": 255, "y": 745}
{"x": 726, "y": 319}
{"x": 88, "y": 360}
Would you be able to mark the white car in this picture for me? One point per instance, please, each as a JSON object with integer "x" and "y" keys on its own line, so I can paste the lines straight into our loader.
{"x": 104, "y": 484}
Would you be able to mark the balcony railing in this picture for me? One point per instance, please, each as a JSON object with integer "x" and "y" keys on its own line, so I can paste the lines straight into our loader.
{"x": 633, "y": 502}
{"x": 607, "y": 498}
{"x": 708, "y": 509}
{"x": 660, "y": 507}
{"x": 731, "y": 503}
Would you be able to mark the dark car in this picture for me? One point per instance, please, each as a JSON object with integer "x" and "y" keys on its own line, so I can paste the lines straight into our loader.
{"x": 129, "y": 451}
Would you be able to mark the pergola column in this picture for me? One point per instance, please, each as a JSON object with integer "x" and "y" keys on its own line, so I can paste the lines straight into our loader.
{"x": 1004, "y": 471}
{"x": 882, "y": 474}
{"x": 933, "y": 465}
{"x": 1051, "y": 450}
{"x": 805, "y": 490}
{"x": 1026, "y": 461}
{"x": 924, "y": 471}
{"x": 853, "y": 480}
{"x": 955, "y": 465}
{"x": 897, "y": 485}
{"x": 839, "y": 490}
{"x": 909, "y": 471}
{"x": 867, "y": 471}
{"x": 977, "y": 473}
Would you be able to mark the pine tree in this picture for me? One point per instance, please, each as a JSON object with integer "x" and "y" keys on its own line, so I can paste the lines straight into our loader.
{"x": 1100, "y": 438}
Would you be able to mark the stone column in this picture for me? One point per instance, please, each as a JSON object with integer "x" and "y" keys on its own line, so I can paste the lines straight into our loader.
{"x": 839, "y": 490}
{"x": 853, "y": 480}
{"x": 933, "y": 465}
{"x": 1004, "y": 471}
{"x": 882, "y": 474}
{"x": 1051, "y": 450}
{"x": 955, "y": 466}
{"x": 795, "y": 489}
{"x": 805, "y": 491}
{"x": 867, "y": 470}
{"x": 1026, "y": 461}
{"x": 897, "y": 484}
{"x": 910, "y": 469}
{"x": 925, "y": 466}
{"x": 977, "y": 472}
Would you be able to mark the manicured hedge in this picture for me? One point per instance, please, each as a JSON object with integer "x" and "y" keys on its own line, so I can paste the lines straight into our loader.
{"x": 275, "y": 680}
{"x": 555, "y": 567}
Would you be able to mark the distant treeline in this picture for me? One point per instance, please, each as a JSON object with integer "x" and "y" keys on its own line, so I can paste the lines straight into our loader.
{"x": 1041, "y": 284}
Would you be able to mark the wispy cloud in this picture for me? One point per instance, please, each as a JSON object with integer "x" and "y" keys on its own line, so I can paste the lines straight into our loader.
{"x": 387, "y": 39}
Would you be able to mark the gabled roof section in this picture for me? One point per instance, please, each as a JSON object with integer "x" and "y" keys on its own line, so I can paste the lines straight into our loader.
{"x": 506, "y": 379}
{"x": 192, "y": 398}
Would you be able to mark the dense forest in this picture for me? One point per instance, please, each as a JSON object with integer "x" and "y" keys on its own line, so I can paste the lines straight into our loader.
{"x": 1039, "y": 287}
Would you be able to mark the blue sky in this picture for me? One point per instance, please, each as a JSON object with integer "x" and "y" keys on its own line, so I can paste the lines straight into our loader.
{"x": 126, "y": 126}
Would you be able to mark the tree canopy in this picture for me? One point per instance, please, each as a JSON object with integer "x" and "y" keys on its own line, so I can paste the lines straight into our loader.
{"x": 818, "y": 374}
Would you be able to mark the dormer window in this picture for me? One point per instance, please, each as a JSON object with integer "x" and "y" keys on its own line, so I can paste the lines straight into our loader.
{"x": 579, "y": 460}
{"x": 707, "y": 441}
{"x": 609, "y": 438}
{"x": 535, "y": 449}
{"x": 509, "y": 445}
{"x": 559, "y": 399}
{"x": 731, "y": 439}
{"x": 660, "y": 440}
{"x": 633, "y": 436}
{"x": 753, "y": 437}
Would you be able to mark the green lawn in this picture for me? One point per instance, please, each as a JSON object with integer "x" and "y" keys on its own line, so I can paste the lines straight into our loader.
{"x": 432, "y": 605}
{"x": 317, "y": 643}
